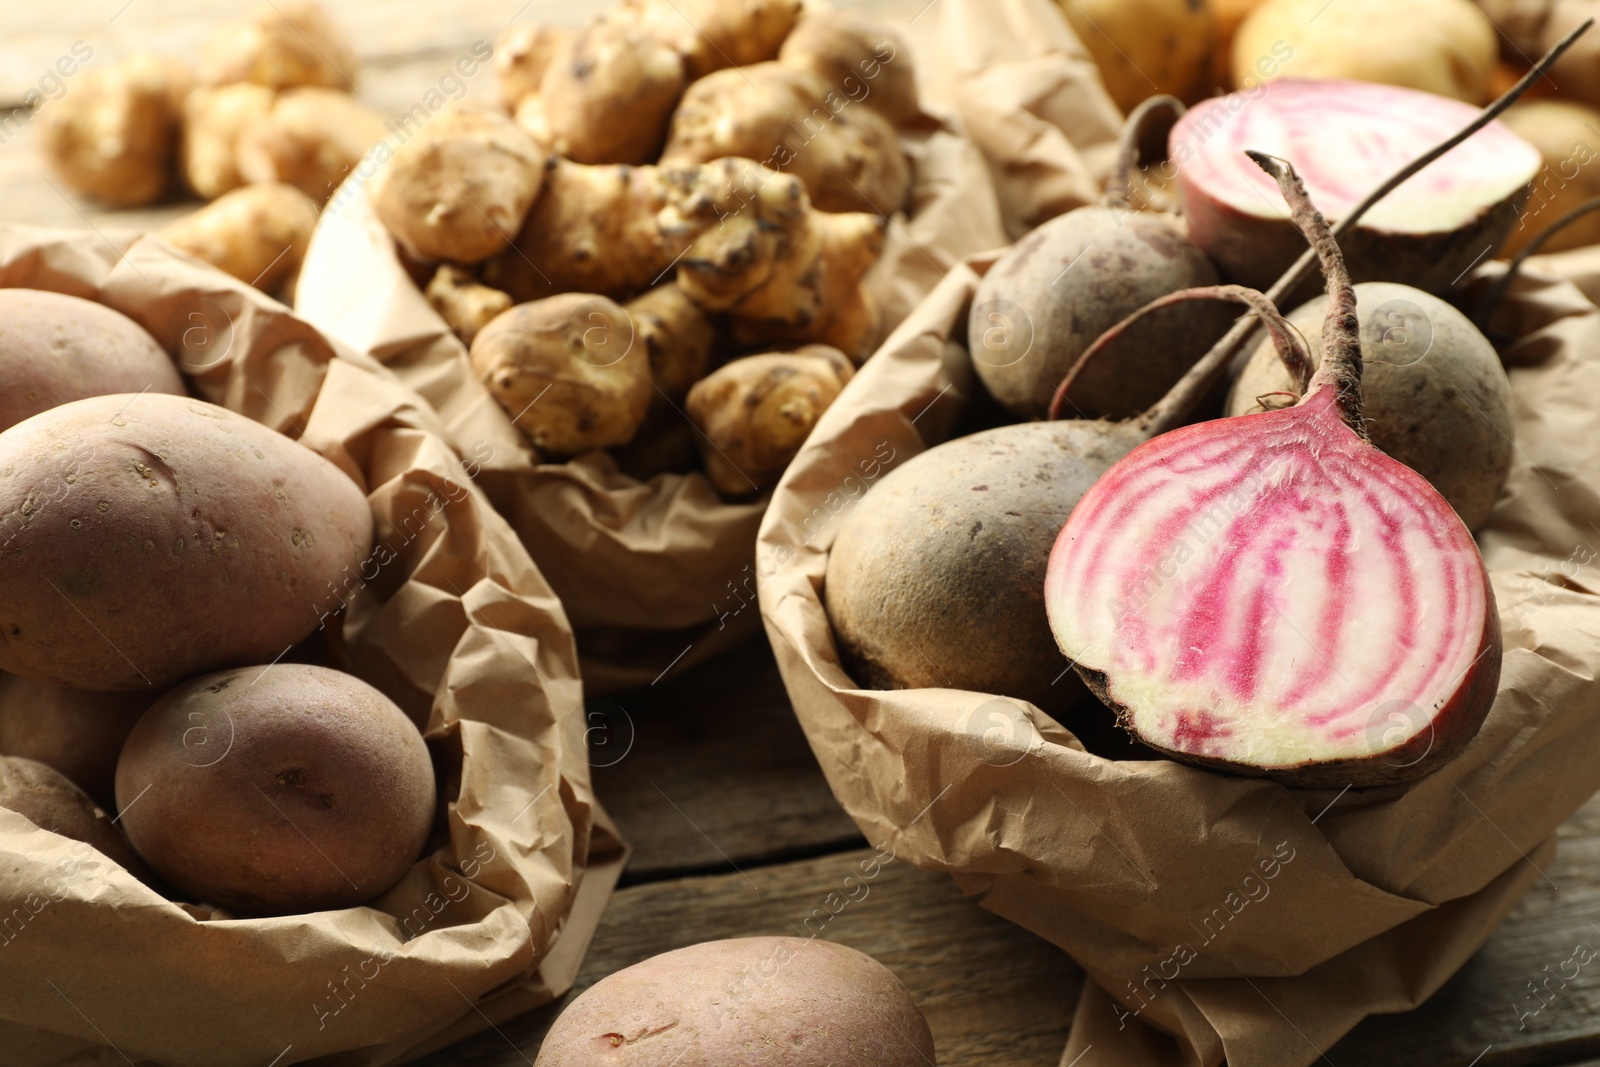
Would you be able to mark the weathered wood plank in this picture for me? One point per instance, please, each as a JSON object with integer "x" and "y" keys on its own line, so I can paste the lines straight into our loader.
{"x": 712, "y": 770}
{"x": 994, "y": 994}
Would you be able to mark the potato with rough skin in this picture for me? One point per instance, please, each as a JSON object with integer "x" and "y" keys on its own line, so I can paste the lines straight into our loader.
{"x": 569, "y": 370}
{"x": 801, "y": 1002}
{"x": 56, "y": 348}
{"x": 311, "y": 139}
{"x": 77, "y": 732}
{"x": 1567, "y": 135}
{"x": 465, "y": 304}
{"x": 283, "y": 44}
{"x": 713, "y": 34}
{"x": 756, "y": 412}
{"x": 746, "y": 221}
{"x": 47, "y": 799}
{"x": 848, "y": 51}
{"x": 608, "y": 95}
{"x": 113, "y": 136}
{"x": 677, "y": 336}
{"x": 1447, "y": 48}
{"x": 213, "y": 120}
{"x": 1146, "y": 47}
{"x": 277, "y": 788}
{"x": 847, "y": 154}
{"x": 460, "y": 189}
{"x": 257, "y": 233}
{"x": 521, "y": 55}
{"x": 145, "y": 538}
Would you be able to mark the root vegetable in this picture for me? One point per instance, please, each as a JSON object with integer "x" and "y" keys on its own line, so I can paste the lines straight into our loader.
{"x": 283, "y": 44}
{"x": 257, "y": 233}
{"x": 274, "y": 789}
{"x": 461, "y": 188}
{"x": 713, "y": 34}
{"x": 756, "y": 412}
{"x": 608, "y": 94}
{"x": 1146, "y": 47}
{"x": 56, "y": 348}
{"x": 311, "y": 139}
{"x": 76, "y": 732}
{"x": 1436, "y": 397}
{"x": 113, "y": 136}
{"x": 1189, "y": 581}
{"x": 676, "y": 335}
{"x": 569, "y": 370}
{"x": 150, "y": 537}
{"x": 1448, "y": 47}
{"x": 1069, "y": 281}
{"x": 465, "y": 305}
{"x": 1345, "y": 136}
{"x": 521, "y": 55}
{"x": 802, "y": 1001}
{"x": 848, "y": 155}
{"x": 213, "y": 120}
{"x": 857, "y": 57}
{"x": 1567, "y": 135}
{"x": 48, "y": 800}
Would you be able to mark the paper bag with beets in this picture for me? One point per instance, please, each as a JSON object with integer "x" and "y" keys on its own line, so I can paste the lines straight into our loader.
{"x": 1218, "y": 918}
{"x": 456, "y": 625}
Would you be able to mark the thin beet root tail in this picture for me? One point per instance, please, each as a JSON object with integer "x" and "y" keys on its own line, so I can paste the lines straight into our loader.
{"x": 1171, "y": 409}
{"x": 1135, "y": 131}
{"x": 1341, "y": 367}
{"x": 1497, "y": 292}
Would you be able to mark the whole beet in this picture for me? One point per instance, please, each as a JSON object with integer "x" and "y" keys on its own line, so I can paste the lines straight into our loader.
{"x": 1069, "y": 281}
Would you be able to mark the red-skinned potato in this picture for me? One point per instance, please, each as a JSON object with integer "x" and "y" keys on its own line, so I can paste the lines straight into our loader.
{"x": 78, "y": 732}
{"x": 757, "y": 1000}
{"x": 277, "y": 788}
{"x": 147, "y": 538}
{"x": 56, "y": 348}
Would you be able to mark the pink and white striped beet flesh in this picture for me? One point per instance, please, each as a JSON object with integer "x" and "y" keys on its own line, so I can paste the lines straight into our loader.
{"x": 1272, "y": 594}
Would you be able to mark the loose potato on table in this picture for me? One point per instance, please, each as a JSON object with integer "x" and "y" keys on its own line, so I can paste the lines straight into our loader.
{"x": 311, "y": 139}
{"x": 754, "y": 413}
{"x": 257, "y": 233}
{"x": 274, "y": 789}
{"x": 460, "y": 189}
{"x": 77, "y": 732}
{"x": 569, "y": 370}
{"x": 283, "y": 44}
{"x": 759, "y": 1000}
{"x": 112, "y": 136}
{"x": 146, "y": 538}
{"x": 56, "y": 348}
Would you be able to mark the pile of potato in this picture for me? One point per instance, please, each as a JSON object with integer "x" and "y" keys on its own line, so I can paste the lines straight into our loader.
{"x": 663, "y": 222}
{"x": 166, "y": 566}
{"x": 267, "y": 126}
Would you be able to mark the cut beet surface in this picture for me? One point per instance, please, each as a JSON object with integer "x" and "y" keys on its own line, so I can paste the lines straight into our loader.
{"x": 1272, "y": 594}
{"x": 1345, "y": 138}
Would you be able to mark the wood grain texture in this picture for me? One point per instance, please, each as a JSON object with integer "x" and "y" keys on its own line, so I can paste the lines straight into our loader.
{"x": 712, "y": 770}
{"x": 994, "y": 994}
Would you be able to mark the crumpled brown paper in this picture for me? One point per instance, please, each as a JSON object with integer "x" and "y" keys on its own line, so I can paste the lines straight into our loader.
{"x": 459, "y": 629}
{"x": 1250, "y": 921}
{"x": 654, "y": 575}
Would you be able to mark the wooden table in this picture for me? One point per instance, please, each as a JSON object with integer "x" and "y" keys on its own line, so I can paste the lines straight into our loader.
{"x": 734, "y": 829}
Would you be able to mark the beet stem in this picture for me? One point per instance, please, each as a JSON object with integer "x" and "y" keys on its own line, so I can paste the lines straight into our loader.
{"x": 1497, "y": 292}
{"x": 1134, "y": 131}
{"x": 1169, "y": 412}
{"x": 1340, "y": 368}
{"x": 1291, "y": 348}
